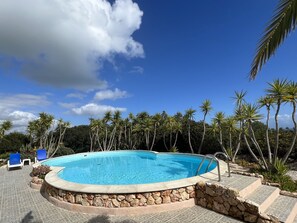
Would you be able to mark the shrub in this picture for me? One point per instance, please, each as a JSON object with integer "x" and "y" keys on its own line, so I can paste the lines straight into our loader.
{"x": 40, "y": 171}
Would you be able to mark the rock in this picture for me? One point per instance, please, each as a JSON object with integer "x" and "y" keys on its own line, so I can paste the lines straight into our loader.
{"x": 85, "y": 202}
{"x": 98, "y": 201}
{"x": 134, "y": 203}
{"x": 130, "y": 197}
{"x": 235, "y": 212}
{"x": 184, "y": 196}
{"x": 200, "y": 185}
{"x": 166, "y": 199}
{"x": 209, "y": 191}
{"x": 121, "y": 197}
{"x": 192, "y": 194}
{"x": 108, "y": 204}
{"x": 251, "y": 207}
{"x": 115, "y": 203}
{"x": 218, "y": 199}
{"x": 156, "y": 195}
{"x": 125, "y": 204}
{"x": 250, "y": 217}
{"x": 147, "y": 195}
{"x": 158, "y": 200}
{"x": 202, "y": 202}
{"x": 181, "y": 190}
{"x": 78, "y": 199}
{"x": 199, "y": 194}
{"x": 70, "y": 198}
{"x": 189, "y": 189}
{"x": 219, "y": 208}
{"x": 90, "y": 197}
{"x": 227, "y": 206}
{"x": 105, "y": 196}
{"x": 150, "y": 200}
{"x": 84, "y": 195}
{"x": 264, "y": 216}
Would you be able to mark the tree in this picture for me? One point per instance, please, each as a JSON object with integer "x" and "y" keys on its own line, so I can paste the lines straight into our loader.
{"x": 205, "y": 109}
{"x": 282, "y": 23}
{"x": 188, "y": 119}
{"x": 277, "y": 91}
{"x": 267, "y": 101}
{"x": 291, "y": 97}
{"x": 5, "y": 126}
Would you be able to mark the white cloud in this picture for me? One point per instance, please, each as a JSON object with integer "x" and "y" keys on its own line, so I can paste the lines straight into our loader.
{"x": 111, "y": 95}
{"x": 67, "y": 105}
{"x": 19, "y": 120}
{"x": 76, "y": 95}
{"x": 95, "y": 109}
{"x": 22, "y": 100}
{"x": 64, "y": 43}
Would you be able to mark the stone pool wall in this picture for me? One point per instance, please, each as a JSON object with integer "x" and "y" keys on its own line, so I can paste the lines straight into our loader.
{"x": 122, "y": 200}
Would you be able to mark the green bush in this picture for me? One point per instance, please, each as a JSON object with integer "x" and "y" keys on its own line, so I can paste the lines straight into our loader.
{"x": 40, "y": 171}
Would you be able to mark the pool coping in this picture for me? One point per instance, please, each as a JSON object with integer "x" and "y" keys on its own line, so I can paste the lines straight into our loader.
{"x": 54, "y": 180}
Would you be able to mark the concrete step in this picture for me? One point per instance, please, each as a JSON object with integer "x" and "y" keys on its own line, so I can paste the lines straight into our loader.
{"x": 284, "y": 208}
{"x": 246, "y": 185}
{"x": 264, "y": 196}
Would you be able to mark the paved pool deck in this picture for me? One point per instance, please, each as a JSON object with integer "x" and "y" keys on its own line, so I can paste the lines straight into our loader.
{"x": 20, "y": 203}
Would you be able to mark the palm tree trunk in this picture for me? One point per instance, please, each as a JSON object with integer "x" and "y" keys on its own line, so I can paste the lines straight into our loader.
{"x": 267, "y": 137}
{"x": 189, "y": 138}
{"x": 250, "y": 150}
{"x": 154, "y": 137}
{"x": 203, "y": 135}
{"x": 295, "y": 135}
{"x": 276, "y": 132}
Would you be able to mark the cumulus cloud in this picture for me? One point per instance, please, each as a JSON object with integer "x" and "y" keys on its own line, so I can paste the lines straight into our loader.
{"x": 64, "y": 43}
{"x": 20, "y": 120}
{"x": 11, "y": 105}
{"x": 111, "y": 95}
{"x": 95, "y": 109}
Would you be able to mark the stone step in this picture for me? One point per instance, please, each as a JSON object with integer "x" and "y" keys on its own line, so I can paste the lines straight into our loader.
{"x": 284, "y": 208}
{"x": 264, "y": 196}
{"x": 246, "y": 185}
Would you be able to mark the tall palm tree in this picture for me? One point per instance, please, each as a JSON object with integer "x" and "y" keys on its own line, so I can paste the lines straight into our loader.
{"x": 268, "y": 103}
{"x": 217, "y": 128}
{"x": 188, "y": 118}
{"x": 282, "y": 23}
{"x": 277, "y": 90}
{"x": 205, "y": 109}
{"x": 291, "y": 97}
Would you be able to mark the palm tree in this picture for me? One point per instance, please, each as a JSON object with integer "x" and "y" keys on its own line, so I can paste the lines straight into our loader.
{"x": 291, "y": 97}
{"x": 5, "y": 126}
{"x": 217, "y": 128}
{"x": 277, "y": 90}
{"x": 282, "y": 23}
{"x": 268, "y": 103}
{"x": 251, "y": 114}
{"x": 188, "y": 118}
{"x": 205, "y": 108}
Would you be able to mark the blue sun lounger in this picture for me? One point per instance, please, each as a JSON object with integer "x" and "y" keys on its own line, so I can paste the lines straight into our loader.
{"x": 14, "y": 161}
{"x": 40, "y": 155}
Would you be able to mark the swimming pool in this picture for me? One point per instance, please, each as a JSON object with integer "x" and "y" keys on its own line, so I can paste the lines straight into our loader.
{"x": 122, "y": 182}
{"x": 128, "y": 167}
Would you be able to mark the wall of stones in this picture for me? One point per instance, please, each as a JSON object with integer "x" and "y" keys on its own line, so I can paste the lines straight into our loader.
{"x": 227, "y": 201}
{"x": 122, "y": 200}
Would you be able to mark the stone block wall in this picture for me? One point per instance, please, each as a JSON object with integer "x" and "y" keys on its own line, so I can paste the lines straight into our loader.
{"x": 121, "y": 200}
{"x": 228, "y": 202}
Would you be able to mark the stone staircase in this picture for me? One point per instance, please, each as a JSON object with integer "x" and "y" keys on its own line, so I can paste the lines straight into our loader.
{"x": 267, "y": 198}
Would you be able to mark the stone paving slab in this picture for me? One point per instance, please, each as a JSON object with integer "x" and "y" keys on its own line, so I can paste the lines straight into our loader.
{"x": 261, "y": 194}
{"x": 282, "y": 207}
{"x": 21, "y": 204}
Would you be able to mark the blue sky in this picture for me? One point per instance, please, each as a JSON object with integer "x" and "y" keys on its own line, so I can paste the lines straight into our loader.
{"x": 78, "y": 59}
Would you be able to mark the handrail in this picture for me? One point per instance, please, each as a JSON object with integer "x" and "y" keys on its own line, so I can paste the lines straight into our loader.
{"x": 228, "y": 161}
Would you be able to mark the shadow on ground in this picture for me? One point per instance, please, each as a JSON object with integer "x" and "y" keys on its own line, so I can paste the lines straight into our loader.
{"x": 105, "y": 219}
{"x": 28, "y": 218}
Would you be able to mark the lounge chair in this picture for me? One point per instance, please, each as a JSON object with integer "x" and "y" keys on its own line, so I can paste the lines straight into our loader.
{"x": 14, "y": 161}
{"x": 40, "y": 155}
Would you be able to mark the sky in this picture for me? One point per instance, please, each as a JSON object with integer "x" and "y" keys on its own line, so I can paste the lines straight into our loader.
{"x": 77, "y": 59}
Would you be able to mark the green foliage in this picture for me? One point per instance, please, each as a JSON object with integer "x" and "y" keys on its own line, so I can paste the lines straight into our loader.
{"x": 40, "y": 171}
{"x": 174, "y": 149}
{"x": 279, "y": 168}
{"x": 63, "y": 151}
{"x": 4, "y": 155}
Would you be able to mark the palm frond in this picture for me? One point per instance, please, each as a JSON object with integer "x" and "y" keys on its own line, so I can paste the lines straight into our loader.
{"x": 282, "y": 23}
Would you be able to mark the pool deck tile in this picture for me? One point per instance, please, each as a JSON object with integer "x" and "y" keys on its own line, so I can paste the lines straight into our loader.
{"x": 20, "y": 203}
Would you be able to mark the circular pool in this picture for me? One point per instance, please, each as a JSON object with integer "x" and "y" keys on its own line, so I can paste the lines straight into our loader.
{"x": 122, "y": 182}
{"x": 128, "y": 167}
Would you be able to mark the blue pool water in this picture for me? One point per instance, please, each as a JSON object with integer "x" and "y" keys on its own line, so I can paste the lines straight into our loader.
{"x": 127, "y": 167}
